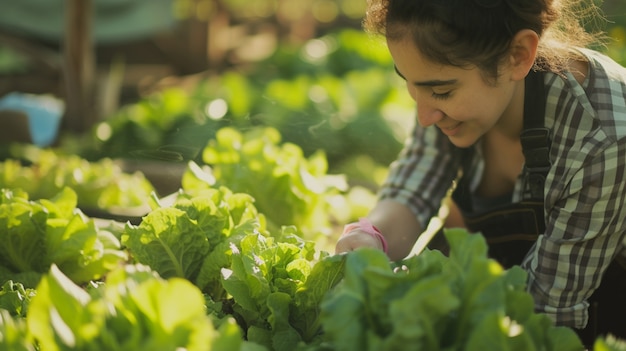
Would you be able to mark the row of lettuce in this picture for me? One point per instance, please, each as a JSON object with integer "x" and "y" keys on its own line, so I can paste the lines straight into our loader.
{"x": 289, "y": 187}
{"x": 207, "y": 269}
{"x": 205, "y": 274}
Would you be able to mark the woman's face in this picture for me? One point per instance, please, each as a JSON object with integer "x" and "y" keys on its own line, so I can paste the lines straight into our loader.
{"x": 458, "y": 100}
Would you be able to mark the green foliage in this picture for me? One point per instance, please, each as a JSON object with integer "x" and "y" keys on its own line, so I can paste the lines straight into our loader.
{"x": 287, "y": 187}
{"x": 169, "y": 125}
{"x": 14, "y": 335}
{"x": 100, "y": 184}
{"x": 431, "y": 302}
{"x": 609, "y": 343}
{"x": 277, "y": 292}
{"x": 136, "y": 310}
{"x": 15, "y": 298}
{"x": 614, "y": 25}
{"x": 37, "y": 234}
{"x": 277, "y": 287}
{"x": 192, "y": 238}
{"x": 215, "y": 238}
{"x": 338, "y": 93}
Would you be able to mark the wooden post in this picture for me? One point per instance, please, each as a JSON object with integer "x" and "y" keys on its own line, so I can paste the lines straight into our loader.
{"x": 216, "y": 27}
{"x": 79, "y": 66}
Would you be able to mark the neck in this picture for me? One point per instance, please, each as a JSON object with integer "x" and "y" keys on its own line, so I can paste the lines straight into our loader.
{"x": 511, "y": 123}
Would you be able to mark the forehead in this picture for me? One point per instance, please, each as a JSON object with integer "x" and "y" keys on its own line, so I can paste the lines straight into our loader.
{"x": 413, "y": 65}
{"x": 405, "y": 49}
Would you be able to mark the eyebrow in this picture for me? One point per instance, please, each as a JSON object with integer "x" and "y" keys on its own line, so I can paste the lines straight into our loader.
{"x": 428, "y": 83}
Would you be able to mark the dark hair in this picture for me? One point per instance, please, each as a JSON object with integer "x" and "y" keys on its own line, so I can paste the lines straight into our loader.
{"x": 479, "y": 32}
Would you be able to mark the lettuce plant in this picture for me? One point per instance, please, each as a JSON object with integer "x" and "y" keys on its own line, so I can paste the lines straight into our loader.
{"x": 191, "y": 239}
{"x": 14, "y": 334}
{"x": 271, "y": 284}
{"x": 287, "y": 187}
{"x": 277, "y": 287}
{"x": 135, "y": 310}
{"x": 99, "y": 185}
{"x": 431, "y": 302}
{"x": 36, "y": 234}
{"x": 15, "y": 299}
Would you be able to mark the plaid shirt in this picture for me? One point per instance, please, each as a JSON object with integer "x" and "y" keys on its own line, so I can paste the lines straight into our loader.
{"x": 585, "y": 191}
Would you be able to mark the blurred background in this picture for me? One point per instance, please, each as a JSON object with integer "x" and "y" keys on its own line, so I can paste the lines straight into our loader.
{"x": 155, "y": 79}
{"x": 43, "y": 42}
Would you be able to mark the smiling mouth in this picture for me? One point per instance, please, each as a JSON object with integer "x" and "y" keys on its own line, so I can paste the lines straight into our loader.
{"x": 450, "y": 130}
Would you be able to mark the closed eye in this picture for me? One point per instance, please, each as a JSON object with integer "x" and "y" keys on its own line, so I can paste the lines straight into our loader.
{"x": 431, "y": 83}
{"x": 442, "y": 96}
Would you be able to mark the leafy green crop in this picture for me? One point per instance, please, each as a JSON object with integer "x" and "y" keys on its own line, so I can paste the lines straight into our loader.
{"x": 337, "y": 93}
{"x": 432, "y": 302}
{"x": 191, "y": 239}
{"x": 265, "y": 292}
{"x": 609, "y": 343}
{"x": 15, "y": 299}
{"x": 98, "y": 185}
{"x": 135, "y": 310}
{"x": 36, "y": 234}
{"x": 14, "y": 335}
{"x": 287, "y": 187}
{"x": 277, "y": 288}
{"x": 272, "y": 285}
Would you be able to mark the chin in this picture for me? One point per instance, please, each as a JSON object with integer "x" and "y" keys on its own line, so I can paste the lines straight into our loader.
{"x": 463, "y": 142}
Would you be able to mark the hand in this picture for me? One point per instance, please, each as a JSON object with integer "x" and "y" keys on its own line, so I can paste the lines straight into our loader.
{"x": 357, "y": 238}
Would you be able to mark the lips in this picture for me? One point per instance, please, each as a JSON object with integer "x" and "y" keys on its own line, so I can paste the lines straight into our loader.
{"x": 450, "y": 130}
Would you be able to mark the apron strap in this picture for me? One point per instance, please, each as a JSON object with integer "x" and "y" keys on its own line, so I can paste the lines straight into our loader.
{"x": 535, "y": 137}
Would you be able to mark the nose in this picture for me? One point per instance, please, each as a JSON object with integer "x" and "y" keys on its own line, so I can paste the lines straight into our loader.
{"x": 428, "y": 115}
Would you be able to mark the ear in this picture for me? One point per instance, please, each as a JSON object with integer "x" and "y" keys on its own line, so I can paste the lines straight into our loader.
{"x": 523, "y": 52}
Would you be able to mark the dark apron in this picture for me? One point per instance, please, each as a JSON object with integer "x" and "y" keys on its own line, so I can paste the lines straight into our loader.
{"x": 512, "y": 229}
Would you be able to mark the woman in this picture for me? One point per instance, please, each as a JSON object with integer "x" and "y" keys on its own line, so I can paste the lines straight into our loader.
{"x": 530, "y": 127}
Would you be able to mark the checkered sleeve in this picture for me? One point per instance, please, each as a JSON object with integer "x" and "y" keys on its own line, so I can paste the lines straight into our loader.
{"x": 584, "y": 230}
{"x": 423, "y": 173}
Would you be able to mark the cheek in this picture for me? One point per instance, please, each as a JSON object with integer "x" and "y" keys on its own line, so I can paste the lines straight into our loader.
{"x": 465, "y": 109}
{"x": 485, "y": 107}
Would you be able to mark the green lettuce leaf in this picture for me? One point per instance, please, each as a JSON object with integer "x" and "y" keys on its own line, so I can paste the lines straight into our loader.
{"x": 288, "y": 188}
{"x": 277, "y": 286}
{"x": 192, "y": 238}
{"x": 15, "y": 298}
{"x": 14, "y": 334}
{"x": 36, "y": 234}
{"x": 135, "y": 310}
{"x": 466, "y": 301}
{"x": 22, "y": 233}
{"x": 168, "y": 241}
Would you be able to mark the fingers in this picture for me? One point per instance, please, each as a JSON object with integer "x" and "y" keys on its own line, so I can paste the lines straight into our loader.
{"x": 356, "y": 239}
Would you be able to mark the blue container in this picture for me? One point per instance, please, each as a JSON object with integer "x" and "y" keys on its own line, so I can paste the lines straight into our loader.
{"x": 44, "y": 113}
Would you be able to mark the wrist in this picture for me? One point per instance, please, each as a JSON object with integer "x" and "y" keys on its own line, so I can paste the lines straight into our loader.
{"x": 366, "y": 226}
